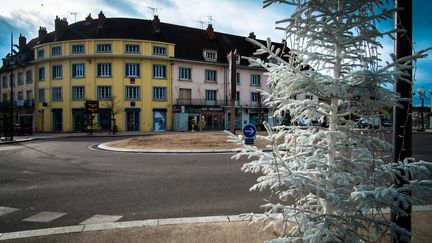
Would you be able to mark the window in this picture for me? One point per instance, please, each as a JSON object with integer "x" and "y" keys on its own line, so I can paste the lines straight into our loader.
{"x": 57, "y": 72}
{"x": 42, "y": 95}
{"x": 238, "y": 59}
{"x": 308, "y": 97}
{"x": 159, "y": 50}
{"x": 238, "y": 78}
{"x": 255, "y": 79}
{"x": 132, "y": 92}
{"x": 185, "y": 73}
{"x": 237, "y": 97}
{"x": 78, "y": 70}
{"x": 210, "y": 56}
{"x": 77, "y": 49}
{"x": 29, "y": 76}
{"x": 5, "y": 97}
{"x": 210, "y": 94}
{"x": 159, "y": 71}
{"x": 56, "y": 51}
{"x": 78, "y": 93}
{"x": 255, "y": 97}
{"x": 29, "y": 94}
{"x": 20, "y": 95}
{"x": 103, "y": 48}
{"x": 41, "y": 73}
{"x": 104, "y": 92}
{"x": 132, "y": 48}
{"x": 132, "y": 70}
{"x": 159, "y": 93}
{"x": 104, "y": 69}
{"x": 41, "y": 53}
{"x": 4, "y": 82}
{"x": 210, "y": 75}
{"x": 20, "y": 78}
{"x": 56, "y": 93}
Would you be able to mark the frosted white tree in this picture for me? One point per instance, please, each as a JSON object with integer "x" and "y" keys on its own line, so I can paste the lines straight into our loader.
{"x": 332, "y": 183}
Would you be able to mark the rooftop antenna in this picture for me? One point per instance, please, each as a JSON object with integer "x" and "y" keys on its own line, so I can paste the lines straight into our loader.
{"x": 200, "y": 23}
{"x": 154, "y": 10}
{"x": 210, "y": 19}
{"x": 74, "y": 14}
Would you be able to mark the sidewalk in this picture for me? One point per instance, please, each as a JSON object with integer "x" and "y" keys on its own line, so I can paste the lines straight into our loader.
{"x": 200, "y": 229}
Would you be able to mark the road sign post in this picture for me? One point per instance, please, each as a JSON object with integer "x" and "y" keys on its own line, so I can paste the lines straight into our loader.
{"x": 249, "y": 131}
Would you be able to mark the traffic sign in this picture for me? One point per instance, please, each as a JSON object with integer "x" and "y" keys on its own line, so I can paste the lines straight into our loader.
{"x": 249, "y": 141}
{"x": 249, "y": 130}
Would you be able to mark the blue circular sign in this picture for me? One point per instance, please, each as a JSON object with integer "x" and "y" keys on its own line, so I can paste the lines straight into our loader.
{"x": 249, "y": 131}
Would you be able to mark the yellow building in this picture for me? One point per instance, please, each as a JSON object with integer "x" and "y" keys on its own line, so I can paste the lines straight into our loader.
{"x": 128, "y": 70}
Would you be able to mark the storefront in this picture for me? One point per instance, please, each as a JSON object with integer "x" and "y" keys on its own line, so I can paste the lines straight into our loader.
{"x": 211, "y": 117}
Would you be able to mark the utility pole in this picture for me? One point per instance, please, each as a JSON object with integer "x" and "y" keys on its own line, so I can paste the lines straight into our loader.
{"x": 402, "y": 129}
{"x": 11, "y": 63}
{"x": 232, "y": 67}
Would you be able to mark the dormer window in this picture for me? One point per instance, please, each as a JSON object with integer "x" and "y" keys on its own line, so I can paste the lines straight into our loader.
{"x": 210, "y": 56}
{"x": 159, "y": 50}
{"x": 238, "y": 59}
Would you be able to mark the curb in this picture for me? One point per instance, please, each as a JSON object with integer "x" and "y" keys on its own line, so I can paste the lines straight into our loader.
{"x": 104, "y": 146}
{"x": 118, "y": 225}
{"x": 18, "y": 141}
{"x": 141, "y": 223}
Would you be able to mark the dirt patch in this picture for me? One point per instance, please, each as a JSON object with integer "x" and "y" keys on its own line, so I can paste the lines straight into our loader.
{"x": 180, "y": 141}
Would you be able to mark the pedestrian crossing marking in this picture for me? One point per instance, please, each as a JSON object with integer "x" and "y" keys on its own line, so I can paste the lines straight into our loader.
{"x": 99, "y": 219}
{"x": 44, "y": 217}
{"x": 7, "y": 210}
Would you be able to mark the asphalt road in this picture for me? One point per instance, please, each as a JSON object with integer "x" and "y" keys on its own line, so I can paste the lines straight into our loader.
{"x": 64, "y": 176}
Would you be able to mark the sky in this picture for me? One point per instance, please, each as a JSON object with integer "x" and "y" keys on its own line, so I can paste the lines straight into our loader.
{"x": 238, "y": 17}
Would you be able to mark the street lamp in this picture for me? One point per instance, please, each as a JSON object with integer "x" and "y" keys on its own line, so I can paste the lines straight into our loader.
{"x": 12, "y": 59}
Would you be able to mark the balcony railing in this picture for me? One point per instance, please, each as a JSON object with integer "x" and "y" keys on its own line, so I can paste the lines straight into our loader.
{"x": 201, "y": 102}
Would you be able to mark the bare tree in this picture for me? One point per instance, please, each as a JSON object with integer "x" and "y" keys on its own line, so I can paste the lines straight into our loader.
{"x": 114, "y": 105}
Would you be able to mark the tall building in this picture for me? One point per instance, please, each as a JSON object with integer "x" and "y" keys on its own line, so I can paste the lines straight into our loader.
{"x": 146, "y": 75}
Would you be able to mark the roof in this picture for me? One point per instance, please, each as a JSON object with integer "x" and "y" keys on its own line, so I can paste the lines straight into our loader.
{"x": 190, "y": 42}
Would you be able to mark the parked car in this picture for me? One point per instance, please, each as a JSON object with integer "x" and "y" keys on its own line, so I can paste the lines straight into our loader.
{"x": 22, "y": 129}
{"x": 387, "y": 123}
{"x": 361, "y": 124}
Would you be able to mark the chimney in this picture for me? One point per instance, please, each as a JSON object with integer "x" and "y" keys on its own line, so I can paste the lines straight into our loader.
{"x": 88, "y": 19}
{"x": 210, "y": 32}
{"x": 22, "y": 41}
{"x": 101, "y": 19}
{"x": 156, "y": 24}
{"x": 60, "y": 26}
{"x": 252, "y": 35}
{"x": 42, "y": 32}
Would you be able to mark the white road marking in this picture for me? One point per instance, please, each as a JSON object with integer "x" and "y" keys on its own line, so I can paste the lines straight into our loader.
{"x": 99, "y": 219}
{"x": 6, "y": 210}
{"x": 44, "y": 217}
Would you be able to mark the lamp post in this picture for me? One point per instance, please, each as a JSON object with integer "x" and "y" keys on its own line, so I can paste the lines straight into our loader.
{"x": 421, "y": 92}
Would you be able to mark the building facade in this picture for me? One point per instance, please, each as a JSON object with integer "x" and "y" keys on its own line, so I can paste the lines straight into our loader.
{"x": 129, "y": 76}
{"x": 146, "y": 76}
{"x": 18, "y": 68}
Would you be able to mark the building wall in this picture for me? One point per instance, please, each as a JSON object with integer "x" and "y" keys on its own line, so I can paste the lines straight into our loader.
{"x": 24, "y": 105}
{"x": 118, "y": 80}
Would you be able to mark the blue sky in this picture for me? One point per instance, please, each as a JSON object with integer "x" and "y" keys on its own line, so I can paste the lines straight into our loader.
{"x": 236, "y": 17}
